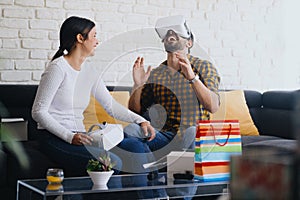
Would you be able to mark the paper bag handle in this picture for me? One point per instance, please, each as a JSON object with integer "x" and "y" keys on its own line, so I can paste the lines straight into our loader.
{"x": 218, "y": 143}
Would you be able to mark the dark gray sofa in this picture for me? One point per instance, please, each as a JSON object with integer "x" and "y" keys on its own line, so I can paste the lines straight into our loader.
{"x": 275, "y": 114}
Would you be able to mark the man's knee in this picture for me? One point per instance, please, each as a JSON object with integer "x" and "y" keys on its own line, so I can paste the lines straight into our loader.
{"x": 189, "y": 137}
{"x": 191, "y": 132}
{"x": 133, "y": 130}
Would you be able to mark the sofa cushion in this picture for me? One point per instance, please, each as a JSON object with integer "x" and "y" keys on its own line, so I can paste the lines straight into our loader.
{"x": 254, "y": 102}
{"x": 280, "y": 145}
{"x": 285, "y": 100}
{"x": 233, "y": 106}
{"x": 89, "y": 114}
{"x": 95, "y": 113}
{"x": 253, "y": 99}
{"x": 281, "y": 123}
{"x": 249, "y": 139}
{"x": 281, "y": 111}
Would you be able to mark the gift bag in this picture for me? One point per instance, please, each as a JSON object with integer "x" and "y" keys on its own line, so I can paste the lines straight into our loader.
{"x": 215, "y": 142}
{"x": 107, "y": 135}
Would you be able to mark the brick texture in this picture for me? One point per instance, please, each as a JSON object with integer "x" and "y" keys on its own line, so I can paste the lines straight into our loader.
{"x": 249, "y": 41}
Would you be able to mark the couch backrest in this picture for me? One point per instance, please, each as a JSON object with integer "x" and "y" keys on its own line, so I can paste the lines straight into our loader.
{"x": 16, "y": 101}
{"x": 282, "y": 113}
{"x": 275, "y": 112}
{"x": 254, "y": 103}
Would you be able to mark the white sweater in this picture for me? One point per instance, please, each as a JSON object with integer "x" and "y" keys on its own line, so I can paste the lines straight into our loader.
{"x": 63, "y": 95}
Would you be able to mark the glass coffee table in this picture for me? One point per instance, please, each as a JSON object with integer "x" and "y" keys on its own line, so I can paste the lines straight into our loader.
{"x": 133, "y": 186}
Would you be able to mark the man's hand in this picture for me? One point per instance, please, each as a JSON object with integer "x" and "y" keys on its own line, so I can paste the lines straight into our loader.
{"x": 139, "y": 75}
{"x": 185, "y": 66}
{"x": 148, "y": 130}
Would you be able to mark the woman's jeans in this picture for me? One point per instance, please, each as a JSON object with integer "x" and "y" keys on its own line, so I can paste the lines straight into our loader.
{"x": 128, "y": 156}
{"x": 72, "y": 158}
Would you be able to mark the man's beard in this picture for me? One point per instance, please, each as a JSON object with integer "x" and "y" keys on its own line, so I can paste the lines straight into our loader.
{"x": 172, "y": 47}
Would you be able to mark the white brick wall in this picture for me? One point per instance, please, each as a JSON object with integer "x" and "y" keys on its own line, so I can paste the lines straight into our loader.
{"x": 247, "y": 40}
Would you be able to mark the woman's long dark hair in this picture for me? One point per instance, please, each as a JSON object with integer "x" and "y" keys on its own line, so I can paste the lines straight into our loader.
{"x": 69, "y": 31}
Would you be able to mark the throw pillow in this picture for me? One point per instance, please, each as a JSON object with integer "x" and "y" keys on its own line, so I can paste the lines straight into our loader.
{"x": 233, "y": 106}
{"x": 95, "y": 113}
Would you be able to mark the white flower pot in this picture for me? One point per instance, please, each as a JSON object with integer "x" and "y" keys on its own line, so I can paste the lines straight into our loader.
{"x": 99, "y": 187}
{"x": 100, "y": 178}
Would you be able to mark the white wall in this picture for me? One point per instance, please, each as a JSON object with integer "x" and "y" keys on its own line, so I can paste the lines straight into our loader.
{"x": 251, "y": 42}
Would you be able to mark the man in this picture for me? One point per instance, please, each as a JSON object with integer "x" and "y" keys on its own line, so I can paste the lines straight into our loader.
{"x": 182, "y": 90}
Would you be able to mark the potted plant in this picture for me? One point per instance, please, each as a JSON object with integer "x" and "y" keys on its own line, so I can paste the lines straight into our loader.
{"x": 100, "y": 170}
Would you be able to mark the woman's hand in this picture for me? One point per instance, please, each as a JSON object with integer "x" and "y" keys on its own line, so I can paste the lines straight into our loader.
{"x": 82, "y": 139}
{"x": 148, "y": 130}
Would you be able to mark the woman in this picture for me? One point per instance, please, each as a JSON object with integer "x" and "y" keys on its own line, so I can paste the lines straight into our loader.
{"x": 64, "y": 93}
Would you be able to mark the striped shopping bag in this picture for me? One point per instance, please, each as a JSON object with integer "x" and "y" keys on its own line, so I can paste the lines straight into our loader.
{"x": 215, "y": 142}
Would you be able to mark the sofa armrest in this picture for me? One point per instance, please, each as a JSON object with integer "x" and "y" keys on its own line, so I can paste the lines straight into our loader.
{"x": 3, "y": 168}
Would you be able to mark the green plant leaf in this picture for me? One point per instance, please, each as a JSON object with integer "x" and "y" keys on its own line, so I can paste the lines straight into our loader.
{"x": 102, "y": 164}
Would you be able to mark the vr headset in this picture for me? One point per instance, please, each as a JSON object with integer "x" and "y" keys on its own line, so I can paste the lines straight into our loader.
{"x": 176, "y": 23}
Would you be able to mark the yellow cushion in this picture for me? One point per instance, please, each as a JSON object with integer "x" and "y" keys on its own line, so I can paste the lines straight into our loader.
{"x": 95, "y": 113}
{"x": 233, "y": 106}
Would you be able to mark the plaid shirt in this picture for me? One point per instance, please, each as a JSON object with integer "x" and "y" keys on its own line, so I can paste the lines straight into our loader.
{"x": 174, "y": 93}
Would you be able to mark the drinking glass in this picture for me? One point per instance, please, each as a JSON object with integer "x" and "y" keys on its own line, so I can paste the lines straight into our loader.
{"x": 55, "y": 175}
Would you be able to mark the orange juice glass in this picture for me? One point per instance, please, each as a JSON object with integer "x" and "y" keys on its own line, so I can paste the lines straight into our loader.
{"x": 55, "y": 175}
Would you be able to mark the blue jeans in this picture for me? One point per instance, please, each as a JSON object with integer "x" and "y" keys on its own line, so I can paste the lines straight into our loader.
{"x": 186, "y": 141}
{"x": 163, "y": 143}
{"x": 72, "y": 158}
{"x": 133, "y": 153}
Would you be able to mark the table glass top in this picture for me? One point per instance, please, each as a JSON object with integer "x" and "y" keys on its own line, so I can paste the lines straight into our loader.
{"x": 136, "y": 182}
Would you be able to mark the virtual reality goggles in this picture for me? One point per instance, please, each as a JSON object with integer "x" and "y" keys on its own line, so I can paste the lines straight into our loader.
{"x": 175, "y": 23}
